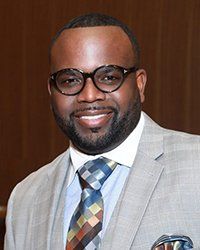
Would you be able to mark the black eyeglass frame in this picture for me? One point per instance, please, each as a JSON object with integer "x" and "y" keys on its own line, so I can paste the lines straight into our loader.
{"x": 125, "y": 72}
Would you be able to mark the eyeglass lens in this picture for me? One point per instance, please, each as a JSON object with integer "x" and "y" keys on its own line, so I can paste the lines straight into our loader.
{"x": 69, "y": 81}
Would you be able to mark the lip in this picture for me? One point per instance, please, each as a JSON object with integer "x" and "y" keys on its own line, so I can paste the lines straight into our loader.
{"x": 94, "y": 118}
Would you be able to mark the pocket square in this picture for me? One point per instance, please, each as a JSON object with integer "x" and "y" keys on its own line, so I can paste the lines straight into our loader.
{"x": 173, "y": 242}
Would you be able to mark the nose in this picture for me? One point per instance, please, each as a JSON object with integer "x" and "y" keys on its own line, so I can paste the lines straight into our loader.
{"x": 90, "y": 93}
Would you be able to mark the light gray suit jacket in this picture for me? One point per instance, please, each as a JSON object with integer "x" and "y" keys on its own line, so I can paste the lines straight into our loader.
{"x": 161, "y": 195}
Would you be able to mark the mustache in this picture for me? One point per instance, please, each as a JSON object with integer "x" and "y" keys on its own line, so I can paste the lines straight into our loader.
{"x": 93, "y": 108}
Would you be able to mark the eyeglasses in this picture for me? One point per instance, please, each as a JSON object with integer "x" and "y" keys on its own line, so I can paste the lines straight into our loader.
{"x": 107, "y": 78}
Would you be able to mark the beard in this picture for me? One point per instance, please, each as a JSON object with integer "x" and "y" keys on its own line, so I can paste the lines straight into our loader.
{"x": 116, "y": 133}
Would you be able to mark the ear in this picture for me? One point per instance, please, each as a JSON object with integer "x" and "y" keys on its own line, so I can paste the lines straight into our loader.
{"x": 49, "y": 86}
{"x": 141, "y": 79}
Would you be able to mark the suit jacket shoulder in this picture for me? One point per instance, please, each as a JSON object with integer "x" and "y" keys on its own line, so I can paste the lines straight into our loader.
{"x": 155, "y": 136}
{"x": 39, "y": 178}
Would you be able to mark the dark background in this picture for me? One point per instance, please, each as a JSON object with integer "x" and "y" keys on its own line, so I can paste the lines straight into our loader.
{"x": 169, "y": 35}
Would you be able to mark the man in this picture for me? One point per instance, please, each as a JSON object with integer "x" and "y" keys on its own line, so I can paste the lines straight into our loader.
{"x": 152, "y": 189}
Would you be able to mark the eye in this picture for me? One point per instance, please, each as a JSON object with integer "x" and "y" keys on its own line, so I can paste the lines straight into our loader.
{"x": 69, "y": 81}
{"x": 109, "y": 78}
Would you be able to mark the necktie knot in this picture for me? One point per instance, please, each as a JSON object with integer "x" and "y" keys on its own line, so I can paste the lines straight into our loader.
{"x": 94, "y": 173}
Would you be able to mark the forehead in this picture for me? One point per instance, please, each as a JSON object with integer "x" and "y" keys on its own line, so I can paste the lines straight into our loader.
{"x": 92, "y": 46}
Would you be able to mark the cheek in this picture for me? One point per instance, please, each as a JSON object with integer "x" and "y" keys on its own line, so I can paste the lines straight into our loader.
{"x": 62, "y": 104}
{"x": 125, "y": 97}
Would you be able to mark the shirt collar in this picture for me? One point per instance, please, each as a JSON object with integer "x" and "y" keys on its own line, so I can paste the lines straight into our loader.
{"x": 123, "y": 154}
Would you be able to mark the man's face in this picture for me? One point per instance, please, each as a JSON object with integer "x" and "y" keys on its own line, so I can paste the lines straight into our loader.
{"x": 94, "y": 121}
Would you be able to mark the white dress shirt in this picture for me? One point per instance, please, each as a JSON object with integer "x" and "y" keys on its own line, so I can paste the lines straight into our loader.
{"x": 124, "y": 155}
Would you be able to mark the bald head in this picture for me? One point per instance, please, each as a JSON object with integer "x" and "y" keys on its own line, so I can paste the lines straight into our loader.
{"x": 80, "y": 47}
{"x": 101, "y": 20}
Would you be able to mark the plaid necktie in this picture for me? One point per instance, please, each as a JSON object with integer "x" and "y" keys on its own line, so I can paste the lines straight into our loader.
{"x": 86, "y": 222}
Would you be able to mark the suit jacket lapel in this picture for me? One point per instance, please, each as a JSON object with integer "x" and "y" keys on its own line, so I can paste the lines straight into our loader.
{"x": 49, "y": 209}
{"x": 138, "y": 190}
